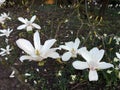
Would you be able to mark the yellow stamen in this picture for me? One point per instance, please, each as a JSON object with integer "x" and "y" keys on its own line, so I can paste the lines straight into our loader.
{"x": 37, "y": 52}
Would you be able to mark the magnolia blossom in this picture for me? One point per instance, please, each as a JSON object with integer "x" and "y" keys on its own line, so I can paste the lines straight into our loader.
{"x": 38, "y": 52}
{"x": 1, "y": 2}
{"x": 5, "y": 51}
{"x": 3, "y": 17}
{"x": 6, "y": 32}
{"x": 28, "y": 25}
{"x": 72, "y": 48}
{"x": 92, "y": 58}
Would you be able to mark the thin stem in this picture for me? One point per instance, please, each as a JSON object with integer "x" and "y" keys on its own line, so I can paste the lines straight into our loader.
{"x": 58, "y": 28}
{"x": 80, "y": 21}
{"x": 86, "y": 10}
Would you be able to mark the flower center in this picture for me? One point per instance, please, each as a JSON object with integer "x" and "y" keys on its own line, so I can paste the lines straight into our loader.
{"x": 92, "y": 65}
{"x": 73, "y": 51}
{"x": 92, "y": 68}
{"x": 7, "y": 33}
{"x": 37, "y": 52}
{"x": 29, "y": 23}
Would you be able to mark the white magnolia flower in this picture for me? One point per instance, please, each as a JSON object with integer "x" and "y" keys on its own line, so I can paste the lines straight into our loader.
{"x": 5, "y": 51}
{"x": 1, "y": 2}
{"x": 5, "y": 16}
{"x": 6, "y": 32}
{"x": 72, "y": 48}
{"x": 28, "y": 25}
{"x": 92, "y": 58}
{"x": 38, "y": 52}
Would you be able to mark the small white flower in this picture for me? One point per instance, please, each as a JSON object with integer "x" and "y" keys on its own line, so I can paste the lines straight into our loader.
{"x": 26, "y": 80}
{"x": 116, "y": 68}
{"x": 92, "y": 58}
{"x": 37, "y": 69}
{"x": 109, "y": 71}
{"x": 5, "y": 16}
{"x": 27, "y": 74}
{"x": 28, "y": 25}
{"x": 35, "y": 82}
{"x": 73, "y": 77}
{"x": 116, "y": 59}
{"x": 12, "y": 75}
{"x": 59, "y": 73}
{"x": 72, "y": 48}
{"x": 119, "y": 12}
{"x": 117, "y": 40}
{"x": 6, "y": 32}
{"x": 2, "y": 1}
{"x": 6, "y": 58}
{"x": 5, "y": 51}
{"x": 38, "y": 52}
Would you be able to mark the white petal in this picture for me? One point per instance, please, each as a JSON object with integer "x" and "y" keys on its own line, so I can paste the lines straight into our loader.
{"x": 3, "y": 53}
{"x": 2, "y": 34}
{"x": 21, "y": 27}
{"x": 26, "y": 46}
{"x": 29, "y": 28}
{"x": 25, "y": 57}
{"x": 48, "y": 44}
{"x": 69, "y": 44}
{"x": 12, "y": 74}
{"x": 3, "y": 31}
{"x": 22, "y": 19}
{"x": 80, "y": 65}
{"x": 65, "y": 47}
{"x": 36, "y": 26}
{"x": 93, "y": 76}
{"x": 104, "y": 65}
{"x": 33, "y": 18}
{"x": 79, "y": 51}
{"x": 93, "y": 50}
{"x": 53, "y": 55}
{"x": 97, "y": 54}
{"x": 66, "y": 56}
{"x": 7, "y": 47}
{"x": 118, "y": 55}
{"x": 36, "y": 40}
{"x": 85, "y": 54}
{"x": 77, "y": 43}
{"x": 100, "y": 55}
